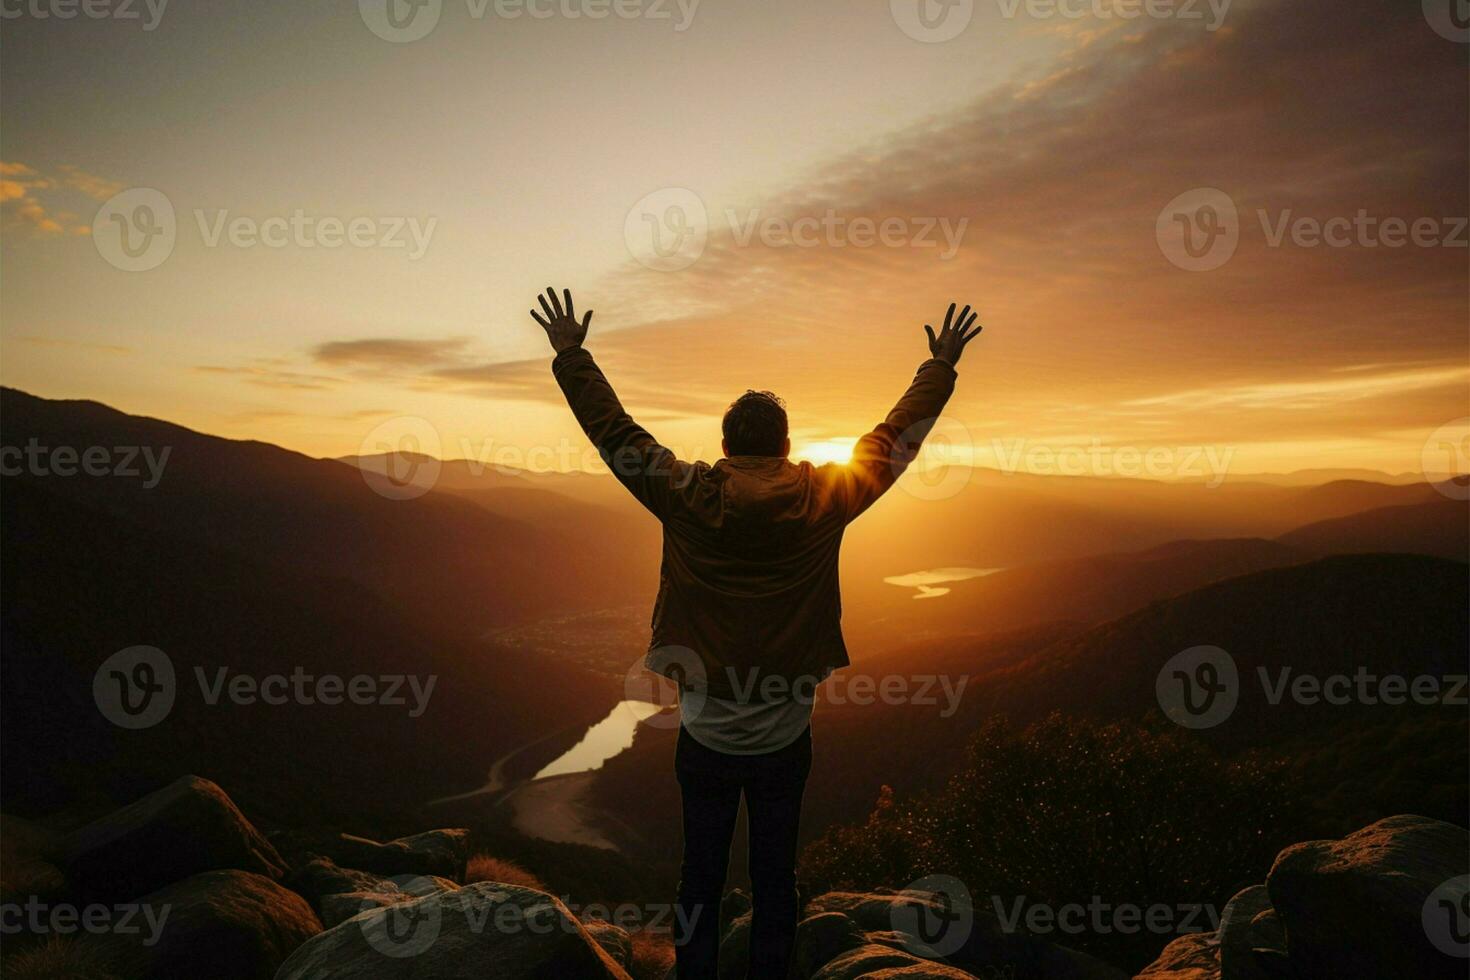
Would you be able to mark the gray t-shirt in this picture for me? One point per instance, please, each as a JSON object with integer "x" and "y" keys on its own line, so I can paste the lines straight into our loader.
{"x": 744, "y": 728}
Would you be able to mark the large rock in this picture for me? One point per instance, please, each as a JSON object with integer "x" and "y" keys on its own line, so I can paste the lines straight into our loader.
{"x": 984, "y": 946}
{"x": 614, "y": 940}
{"x": 821, "y": 938}
{"x": 440, "y": 853}
{"x": 1238, "y": 935}
{"x": 188, "y": 827}
{"x": 1195, "y": 956}
{"x": 886, "y": 962}
{"x": 482, "y": 930}
{"x": 226, "y": 925}
{"x": 335, "y": 909}
{"x": 1355, "y": 907}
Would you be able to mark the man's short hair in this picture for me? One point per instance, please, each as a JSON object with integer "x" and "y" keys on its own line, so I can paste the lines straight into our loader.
{"x": 755, "y": 425}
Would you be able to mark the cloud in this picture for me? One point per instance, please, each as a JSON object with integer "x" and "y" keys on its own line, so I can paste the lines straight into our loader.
{"x": 384, "y": 352}
{"x": 21, "y": 188}
{"x": 268, "y": 373}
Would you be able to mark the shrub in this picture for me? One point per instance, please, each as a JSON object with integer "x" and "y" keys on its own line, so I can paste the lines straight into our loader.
{"x": 485, "y": 867}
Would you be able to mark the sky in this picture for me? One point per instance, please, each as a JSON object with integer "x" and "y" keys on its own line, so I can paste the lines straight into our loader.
{"x": 1239, "y": 225}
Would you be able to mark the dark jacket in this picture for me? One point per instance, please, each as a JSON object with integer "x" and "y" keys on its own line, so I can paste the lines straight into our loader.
{"x": 748, "y": 600}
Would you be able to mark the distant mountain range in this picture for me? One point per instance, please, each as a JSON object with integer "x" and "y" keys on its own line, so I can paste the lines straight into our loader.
{"x": 251, "y": 557}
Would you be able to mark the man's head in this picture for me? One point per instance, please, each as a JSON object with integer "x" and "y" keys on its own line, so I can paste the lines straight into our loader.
{"x": 755, "y": 425}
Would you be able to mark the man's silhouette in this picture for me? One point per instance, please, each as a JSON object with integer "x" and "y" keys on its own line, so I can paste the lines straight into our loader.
{"x": 748, "y": 614}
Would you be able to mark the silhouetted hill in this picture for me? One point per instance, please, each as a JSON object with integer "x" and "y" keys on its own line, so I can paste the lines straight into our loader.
{"x": 436, "y": 555}
{"x": 1440, "y": 527}
{"x": 80, "y": 584}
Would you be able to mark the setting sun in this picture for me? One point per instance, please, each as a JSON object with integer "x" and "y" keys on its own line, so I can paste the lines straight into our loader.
{"x": 826, "y": 451}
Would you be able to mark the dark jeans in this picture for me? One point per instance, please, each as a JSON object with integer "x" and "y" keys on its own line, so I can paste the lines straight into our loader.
{"x": 712, "y": 783}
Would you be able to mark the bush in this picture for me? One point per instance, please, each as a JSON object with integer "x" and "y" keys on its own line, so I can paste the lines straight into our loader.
{"x": 484, "y": 867}
{"x": 1073, "y": 812}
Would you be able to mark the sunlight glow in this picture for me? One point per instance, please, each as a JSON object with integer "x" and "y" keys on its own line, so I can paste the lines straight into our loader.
{"x": 826, "y": 451}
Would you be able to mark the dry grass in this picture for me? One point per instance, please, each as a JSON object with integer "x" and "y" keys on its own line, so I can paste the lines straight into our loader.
{"x": 55, "y": 958}
{"x": 486, "y": 867}
{"x": 653, "y": 955}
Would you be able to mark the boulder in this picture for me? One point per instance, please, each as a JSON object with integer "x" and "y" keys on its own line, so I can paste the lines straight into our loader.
{"x": 440, "y": 853}
{"x": 335, "y": 909}
{"x": 983, "y": 944}
{"x": 1356, "y": 907}
{"x": 188, "y": 827}
{"x": 1195, "y": 956}
{"x": 320, "y": 878}
{"x": 481, "y": 930}
{"x": 886, "y": 962}
{"x": 735, "y": 948}
{"x": 820, "y": 938}
{"x": 1237, "y": 935}
{"x": 226, "y": 925}
{"x": 614, "y": 940}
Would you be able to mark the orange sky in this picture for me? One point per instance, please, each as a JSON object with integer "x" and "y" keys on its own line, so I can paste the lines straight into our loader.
{"x": 1045, "y": 148}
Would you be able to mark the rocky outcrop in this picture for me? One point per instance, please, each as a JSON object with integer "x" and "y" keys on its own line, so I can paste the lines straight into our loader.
{"x": 188, "y": 827}
{"x": 1357, "y": 906}
{"x": 982, "y": 946}
{"x": 1386, "y": 901}
{"x": 436, "y": 853}
{"x": 227, "y": 925}
{"x": 614, "y": 941}
{"x": 481, "y": 930}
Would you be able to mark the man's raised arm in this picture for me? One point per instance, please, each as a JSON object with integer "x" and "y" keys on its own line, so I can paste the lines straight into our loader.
{"x": 881, "y": 456}
{"x": 647, "y": 469}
